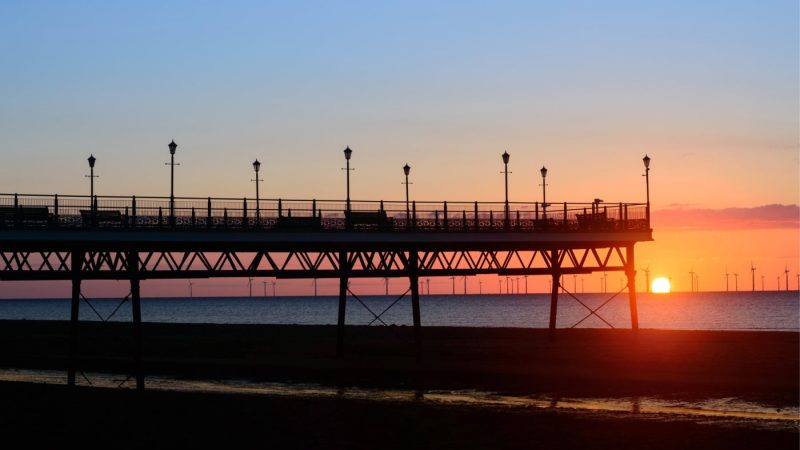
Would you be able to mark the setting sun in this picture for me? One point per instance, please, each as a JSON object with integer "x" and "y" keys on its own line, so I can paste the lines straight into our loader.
{"x": 660, "y": 286}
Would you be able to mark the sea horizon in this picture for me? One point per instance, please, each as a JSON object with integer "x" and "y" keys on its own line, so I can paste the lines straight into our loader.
{"x": 759, "y": 310}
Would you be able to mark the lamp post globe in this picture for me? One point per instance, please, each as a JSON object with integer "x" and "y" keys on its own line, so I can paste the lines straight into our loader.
{"x": 91, "y": 160}
{"x": 172, "y": 147}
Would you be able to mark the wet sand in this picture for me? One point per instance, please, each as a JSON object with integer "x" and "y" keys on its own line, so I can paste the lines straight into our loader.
{"x": 54, "y": 415}
{"x": 756, "y": 366}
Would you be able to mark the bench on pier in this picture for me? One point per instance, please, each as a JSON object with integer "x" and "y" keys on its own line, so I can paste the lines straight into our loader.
{"x": 299, "y": 223}
{"x": 367, "y": 219}
{"x": 592, "y": 221}
{"x": 103, "y": 216}
{"x": 25, "y": 215}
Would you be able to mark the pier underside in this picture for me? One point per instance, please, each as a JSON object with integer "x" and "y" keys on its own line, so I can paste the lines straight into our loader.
{"x": 136, "y": 255}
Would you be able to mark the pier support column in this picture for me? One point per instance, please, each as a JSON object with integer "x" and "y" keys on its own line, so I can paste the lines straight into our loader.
{"x": 414, "y": 280}
{"x": 343, "y": 269}
{"x": 136, "y": 310}
{"x": 630, "y": 271}
{"x": 76, "y": 260}
{"x": 554, "y": 292}
{"x": 554, "y": 305}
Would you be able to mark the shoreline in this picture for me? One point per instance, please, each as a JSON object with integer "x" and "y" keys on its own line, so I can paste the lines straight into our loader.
{"x": 758, "y": 366}
{"x": 54, "y": 414}
{"x": 683, "y": 366}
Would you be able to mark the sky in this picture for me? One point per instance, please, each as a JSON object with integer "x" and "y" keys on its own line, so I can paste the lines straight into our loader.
{"x": 709, "y": 90}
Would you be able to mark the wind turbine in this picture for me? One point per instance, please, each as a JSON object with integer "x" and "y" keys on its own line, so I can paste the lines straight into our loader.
{"x": 386, "y": 284}
{"x": 786, "y": 274}
{"x": 736, "y": 279}
{"x": 647, "y": 278}
{"x": 250, "y": 285}
{"x": 191, "y": 294}
{"x": 753, "y": 275}
{"x": 315, "y": 287}
{"x": 726, "y": 278}
{"x": 453, "y": 279}
{"x": 691, "y": 276}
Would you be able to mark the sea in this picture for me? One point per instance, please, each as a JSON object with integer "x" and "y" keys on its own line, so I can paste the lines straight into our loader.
{"x": 770, "y": 310}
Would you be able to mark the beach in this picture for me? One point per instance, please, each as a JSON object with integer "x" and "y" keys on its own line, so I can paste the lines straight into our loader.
{"x": 760, "y": 367}
{"x": 46, "y": 414}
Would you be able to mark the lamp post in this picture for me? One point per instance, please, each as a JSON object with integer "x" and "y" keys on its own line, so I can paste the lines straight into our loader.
{"x": 172, "y": 147}
{"x": 543, "y": 171}
{"x": 506, "y": 157}
{"x": 407, "y": 170}
{"x": 646, "y": 176}
{"x": 91, "y": 177}
{"x": 257, "y": 168}
{"x": 347, "y": 154}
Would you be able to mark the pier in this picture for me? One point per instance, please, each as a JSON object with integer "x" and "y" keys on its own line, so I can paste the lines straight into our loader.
{"x": 83, "y": 238}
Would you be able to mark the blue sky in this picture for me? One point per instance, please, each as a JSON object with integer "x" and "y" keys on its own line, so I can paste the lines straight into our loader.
{"x": 709, "y": 89}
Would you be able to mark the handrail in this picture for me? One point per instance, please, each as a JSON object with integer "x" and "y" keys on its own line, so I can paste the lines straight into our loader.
{"x": 81, "y": 211}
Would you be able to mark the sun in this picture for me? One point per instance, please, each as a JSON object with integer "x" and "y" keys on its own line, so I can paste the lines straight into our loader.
{"x": 660, "y": 286}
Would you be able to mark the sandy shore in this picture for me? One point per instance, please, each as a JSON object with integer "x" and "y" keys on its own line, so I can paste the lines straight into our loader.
{"x": 755, "y": 366}
{"x": 56, "y": 415}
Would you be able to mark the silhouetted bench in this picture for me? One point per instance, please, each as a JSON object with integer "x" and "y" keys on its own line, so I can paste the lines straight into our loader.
{"x": 299, "y": 223}
{"x": 101, "y": 216}
{"x": 367, "y": 219}
{"x": 592, "y": 221}
{"x": 24, "y": 215}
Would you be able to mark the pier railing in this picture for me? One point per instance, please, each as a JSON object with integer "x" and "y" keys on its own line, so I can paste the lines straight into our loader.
{"x": 186, "y": 213}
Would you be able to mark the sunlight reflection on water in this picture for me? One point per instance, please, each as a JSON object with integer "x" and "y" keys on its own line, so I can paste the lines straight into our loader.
{"x": 718, "y": 409}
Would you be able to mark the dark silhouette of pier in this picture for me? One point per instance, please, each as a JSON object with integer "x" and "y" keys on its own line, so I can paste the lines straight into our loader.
{"x": 79, "y": 238}
{"x": 82, "y": 238}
